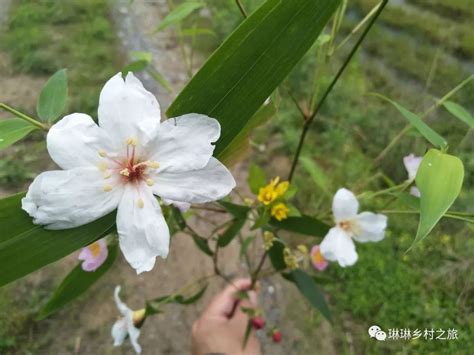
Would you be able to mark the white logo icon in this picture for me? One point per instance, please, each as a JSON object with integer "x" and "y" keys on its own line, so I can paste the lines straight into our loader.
{"x": 376, "y": 332}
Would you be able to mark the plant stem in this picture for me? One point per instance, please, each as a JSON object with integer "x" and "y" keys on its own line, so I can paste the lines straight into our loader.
{"x": 24, "y": 117}
{"x": 330, "y": 87}
{"x": 254, "y": 276}
{"x": 241, "y": 8}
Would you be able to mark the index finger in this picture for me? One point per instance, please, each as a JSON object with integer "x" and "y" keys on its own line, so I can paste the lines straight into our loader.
{"x": 224, "y": 303}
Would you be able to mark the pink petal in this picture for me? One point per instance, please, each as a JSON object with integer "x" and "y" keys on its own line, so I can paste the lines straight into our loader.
{"x": 317, "y": 259}
{"x": 91, "y": 262}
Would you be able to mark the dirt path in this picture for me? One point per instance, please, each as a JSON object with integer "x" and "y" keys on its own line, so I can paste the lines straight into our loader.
{"x": 84, "y": 327}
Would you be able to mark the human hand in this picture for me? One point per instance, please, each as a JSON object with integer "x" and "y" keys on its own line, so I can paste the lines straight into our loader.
{"x": 221, "y": 328}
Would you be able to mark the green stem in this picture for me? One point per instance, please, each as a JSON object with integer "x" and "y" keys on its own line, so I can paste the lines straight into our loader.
{"x": 23, "y": 116}
{"x": 241, "y": 8}
{"x": 330, "y": 87}
{"x": 358, "y": 26}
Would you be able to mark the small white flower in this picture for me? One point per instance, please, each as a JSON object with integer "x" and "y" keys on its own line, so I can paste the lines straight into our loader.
{"x": 412, "y": 163}
{"x": 337, "y": 245}
{"x": 125, "y": 325}
{"x": 122, "y": 163}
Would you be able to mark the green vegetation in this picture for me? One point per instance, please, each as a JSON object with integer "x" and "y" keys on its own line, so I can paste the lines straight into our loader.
{"x": 414, "y": 55}
{"x": 42, "y": 37}
{"x": 46, "y": 35}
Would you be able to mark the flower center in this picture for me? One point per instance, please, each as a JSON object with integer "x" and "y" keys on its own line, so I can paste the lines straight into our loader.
{"x": 350, "y": 227}
{"x": 94, "y": 248}
{"x": 131, "y": 168}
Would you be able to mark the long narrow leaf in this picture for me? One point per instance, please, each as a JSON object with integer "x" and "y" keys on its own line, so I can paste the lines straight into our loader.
{"x": 26, "y": 247}
{"x": 252, "y": 62}
{"x": 426, "y": 131}
{"x": 75, "y": 284}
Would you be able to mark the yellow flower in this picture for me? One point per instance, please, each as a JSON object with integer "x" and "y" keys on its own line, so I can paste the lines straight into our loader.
{"x": 268, "y": 238}
{"x": 290, "y": 260}
{"x": 267, "y": 194}
{"x": 272, "y": 191}
{"x": 280, "y": 211}
{"x": 282, "y": 188}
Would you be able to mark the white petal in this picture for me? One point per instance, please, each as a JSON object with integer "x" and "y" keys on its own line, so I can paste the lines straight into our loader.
{"x": 127, "y": 110}
{"x": 70, "y": 198}
{"x": 185, "y": 143}
{"x": 142, "y": 229}
{"x": 211, "y": 183}
{"x": 119, "y": 331}
{"x": 344, "y": 205}
{"x": 372, "y": 227}
{"x": 75, "y": 141}
{"x": 338, "y": 246}
{"x": 134, "y": 333}
{"x": 412, "y": 163}
{"x": 122, "y": 307}
{"x": 415, "y": 192}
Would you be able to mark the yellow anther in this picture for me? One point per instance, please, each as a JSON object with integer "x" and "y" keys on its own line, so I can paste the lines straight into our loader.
{"x": 102, "y": 153}
{"x": 107, "y": 188}
{"x": 140, "y": 203}
{"x": 153, "y": 164}
{"x": 102, "y": 166}
{"x": 149, "y": 182}
{"x": 125, "y": 172}
{"x": 132, "y": 141}
{"x": 107, "y": 174}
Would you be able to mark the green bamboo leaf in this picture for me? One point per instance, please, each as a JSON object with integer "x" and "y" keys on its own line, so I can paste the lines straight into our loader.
{"x": 135, "y": 66}
{"x": 276, "y": 256}
{"x": 308, "y": 288}
{"x": 256, "y": 178}
{"x": 459, "y": 112}
{"x": 230, "y": 233}
{"x": 238, "y": 211}
{"x": 75, "y": 284}
{"x": 179, "y": 13}
{"x": 317, "y": 174}
{"x": 240, "y": 144}
{"x": 439, "y": 179}
{"x": 304, "y": 225}
{"x": 52, "y": 99}
{"x": 244, "y": 71}
{"x": 246, "y": 244}
{"x": 425, "y": 130}
{"x": 161, "y": 79}
{"x": 26, "y": 247}
{"x": 12, "y": 130}
{"x": 153, "y": 306}
{"x": 202, "y": 244}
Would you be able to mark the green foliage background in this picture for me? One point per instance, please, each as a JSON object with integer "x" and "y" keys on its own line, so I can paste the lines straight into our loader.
{"x": 430, "y": 287}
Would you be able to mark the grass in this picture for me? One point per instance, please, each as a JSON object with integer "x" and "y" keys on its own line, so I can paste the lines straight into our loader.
{"x": 46, "y": 35}
{"x": 440, "y": 30}
{"x": 432, "y": 286}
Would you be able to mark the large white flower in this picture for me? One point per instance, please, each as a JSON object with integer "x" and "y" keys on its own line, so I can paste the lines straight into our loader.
{"x": 125, "y": 326}
{"x": 338, "y": 244}
{"x": 122, "y": 163}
